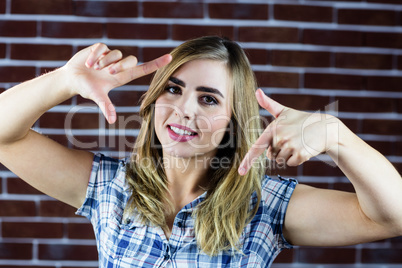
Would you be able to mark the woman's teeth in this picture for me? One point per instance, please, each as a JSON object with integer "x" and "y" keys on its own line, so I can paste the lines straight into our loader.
{"x": 182, "y": 131}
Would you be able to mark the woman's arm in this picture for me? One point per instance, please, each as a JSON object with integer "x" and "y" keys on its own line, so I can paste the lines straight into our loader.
{"x": 54, "y": 169}
{"x": 319, "y": 217}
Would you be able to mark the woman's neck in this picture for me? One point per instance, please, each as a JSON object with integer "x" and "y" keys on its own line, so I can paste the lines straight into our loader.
{"x": 187, "y": 177}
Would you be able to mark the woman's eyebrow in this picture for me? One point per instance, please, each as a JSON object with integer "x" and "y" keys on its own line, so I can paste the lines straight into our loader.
{"x": 210, "y": 90}
{"x": 179, "y": 82}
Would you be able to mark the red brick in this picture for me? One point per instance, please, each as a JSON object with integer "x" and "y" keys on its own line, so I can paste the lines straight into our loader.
{"x": 56, "y": 29}
{"x": 399, "y": 105}
{"x": 32, "y": 229}
{"x": 332, "y": 37}
{"x": 18, "y": 186}
{"x": 399, "y": 59}
{"x": 352, "y": 124}
{"x": 327, "y": 255}
{"x": 363, "y": 61}
{"x": 18, "y": 28}
{"x": 136, "y": 31}
{"x": 286, "y": 256}
{"x": 384, "y": 83}
{"x": 302, "y": 102}
{"x": 151, "y": 53}
{"x": 333, "y": 81}
{"x": 282, "y": 169}
{"x": 174, "y": 10}
{"x": 104, "y": 143}
{"x": 381, "y": 39}
{"x": 319, "y": 168}
{"x": 142, "y": 81}
{"x": 59, "y": 7}
{"x": 2, "y": 6}
{"x": 67, "y": 252}
{"x": 3, "y": 168}
{"x": 320, "y": 185}
{"x": 277, "y": 79}
{"x": 16, "y": 73}
{"x": 345, "y": 187}
{"x": 61, "y": 139}
{"x": 238, "y": 11}
{"x": 398, "y": 148}
{"x": 366, "y": 105}
{"x": 30, "y": 266}
{"x": 385, "y": 1}
{"x": 44, "y": 70}
{"x": 80, "y": 231}
{"x": 398, "y": 167}
{"x": 269, "y": 34}
{"x": 94, "y": 143}
{"x": 40, "y": 52}
{"x": 384, "y": 147}
{"x": 127, "y": 121}
{"x": 303, "y": 13}
{"x": 125, "y": 98}
{"x": 396, "y": 241}
{"x": 56, "y": 209}
{"x": 126, "y": 50}
{"x": 14, "y": 208}
{"x": 186, "y": 32}
{"x": 2, "y": 52}
{"x": 382, "y": 255}
{"x": 301, "y": 58}
{"x": 20, "y": 251}
{"x": 382, "y": 127}
{"x": 266, "y": 119}
{"x": 258, "y": 56}
{"x": 367, "y": 17}
{"x": 52, "y": 120}
{"x": 73, "y": 120}
{"x": 85, "y": 121}
{"x": 106, "y": 9}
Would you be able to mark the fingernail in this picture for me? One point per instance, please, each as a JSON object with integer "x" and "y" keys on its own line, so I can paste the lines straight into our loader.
{"x": 242, "y": 171}
{"x": 112, "y": 119}
{"x": 112, "y": 71}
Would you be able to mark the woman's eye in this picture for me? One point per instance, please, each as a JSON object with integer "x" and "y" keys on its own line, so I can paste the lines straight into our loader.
{"x": 210, "y": 100}
{"x": 173, "y": 90}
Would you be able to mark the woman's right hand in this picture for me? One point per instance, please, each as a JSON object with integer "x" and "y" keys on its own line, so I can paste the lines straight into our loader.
{"x": 96, "y": 70}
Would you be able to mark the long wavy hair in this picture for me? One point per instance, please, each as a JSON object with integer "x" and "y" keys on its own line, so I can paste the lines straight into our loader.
{"x": 222, "y": 216}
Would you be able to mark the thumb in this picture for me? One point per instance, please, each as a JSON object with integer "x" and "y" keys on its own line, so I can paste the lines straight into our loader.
{"x": 273, "y": 107}
{"x": 106, "y": 106}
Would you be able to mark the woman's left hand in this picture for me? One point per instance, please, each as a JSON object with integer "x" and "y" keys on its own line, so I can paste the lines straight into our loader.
{"x": 293, "y": 137}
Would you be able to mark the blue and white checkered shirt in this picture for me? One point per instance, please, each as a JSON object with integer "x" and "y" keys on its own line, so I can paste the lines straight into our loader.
{"x": 126, "y": 242}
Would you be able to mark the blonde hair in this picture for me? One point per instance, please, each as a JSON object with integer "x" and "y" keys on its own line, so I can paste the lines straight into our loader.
{"x": 222, "y": 216}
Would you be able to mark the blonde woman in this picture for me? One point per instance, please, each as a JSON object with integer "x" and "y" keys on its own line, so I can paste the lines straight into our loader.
{"x": 194, "y": 193}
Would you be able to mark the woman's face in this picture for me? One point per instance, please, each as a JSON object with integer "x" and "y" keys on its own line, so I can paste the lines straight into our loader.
{"x": 193, "y": 112}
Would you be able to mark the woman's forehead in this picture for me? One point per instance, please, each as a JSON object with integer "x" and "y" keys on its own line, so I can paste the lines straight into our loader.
{"x": 204, "y": 72}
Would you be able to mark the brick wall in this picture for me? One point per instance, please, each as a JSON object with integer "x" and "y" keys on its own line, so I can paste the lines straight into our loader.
{"x": 306, "y": 54}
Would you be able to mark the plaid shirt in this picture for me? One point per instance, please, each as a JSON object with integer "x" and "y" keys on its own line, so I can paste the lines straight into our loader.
{"x": 126, "y": 242}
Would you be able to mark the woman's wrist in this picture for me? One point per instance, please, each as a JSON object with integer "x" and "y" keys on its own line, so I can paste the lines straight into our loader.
{"x": 65, "y": 82}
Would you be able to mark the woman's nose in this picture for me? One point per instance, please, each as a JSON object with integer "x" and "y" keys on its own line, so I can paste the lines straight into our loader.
{"x": 189, "y": 107}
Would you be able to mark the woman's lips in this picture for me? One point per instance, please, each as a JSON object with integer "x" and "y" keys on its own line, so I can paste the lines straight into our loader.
{"x": 182, "y": 137}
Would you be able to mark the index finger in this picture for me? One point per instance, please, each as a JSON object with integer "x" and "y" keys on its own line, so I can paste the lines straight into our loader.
{"x": 127, "y": 69}
{"x": 256, "y": 150}
{"x": 153, "y": 65}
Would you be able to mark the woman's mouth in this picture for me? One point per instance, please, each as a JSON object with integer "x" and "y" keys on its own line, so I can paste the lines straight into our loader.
{"x": 178, "y": 133}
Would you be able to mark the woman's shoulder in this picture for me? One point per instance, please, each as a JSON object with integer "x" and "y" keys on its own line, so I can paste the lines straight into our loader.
{"x": 277, "y": 188}
{"x": 106, "y": 169}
